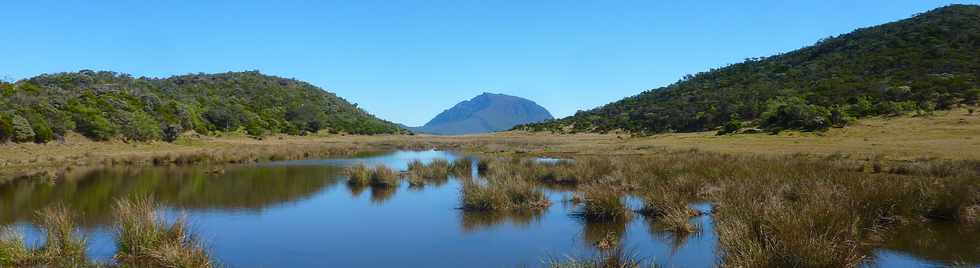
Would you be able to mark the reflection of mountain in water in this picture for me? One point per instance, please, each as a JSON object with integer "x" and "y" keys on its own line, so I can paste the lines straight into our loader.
{"x": 93, "y": 193}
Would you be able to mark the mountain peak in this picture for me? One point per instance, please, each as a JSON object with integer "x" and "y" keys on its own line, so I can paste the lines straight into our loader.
{"x": 487, "y": 112}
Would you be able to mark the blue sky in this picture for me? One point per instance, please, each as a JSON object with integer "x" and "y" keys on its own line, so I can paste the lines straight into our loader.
{"x": 406, "y": 61}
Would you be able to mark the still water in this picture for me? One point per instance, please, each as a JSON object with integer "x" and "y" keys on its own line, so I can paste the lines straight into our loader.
{"x": 304, "y": 214}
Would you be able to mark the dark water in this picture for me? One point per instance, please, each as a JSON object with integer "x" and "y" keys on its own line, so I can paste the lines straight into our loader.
{"x": 303, "y": 214}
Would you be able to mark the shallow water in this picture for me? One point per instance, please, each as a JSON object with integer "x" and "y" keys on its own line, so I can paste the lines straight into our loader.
{"x": 304, "y": 214}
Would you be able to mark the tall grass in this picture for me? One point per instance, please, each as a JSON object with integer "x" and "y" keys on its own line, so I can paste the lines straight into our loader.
{"x": 502, "y": 194}
{"x": 599, "y": 203}
{"x": 145, "y": 240}
{"x": 62, "y": 246}
{"x": 617, "y": 258}
{"x": 792, "y": 211}
{"x": 379, "y": 176}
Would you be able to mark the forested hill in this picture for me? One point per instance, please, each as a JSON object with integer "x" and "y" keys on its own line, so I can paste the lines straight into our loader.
{"x": 107, "y": 105}
{"x": 927, "y": 62}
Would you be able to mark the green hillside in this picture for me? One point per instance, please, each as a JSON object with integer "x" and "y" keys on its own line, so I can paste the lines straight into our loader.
{"x": 920, "y": 64}
{"x": 107, "y": 105}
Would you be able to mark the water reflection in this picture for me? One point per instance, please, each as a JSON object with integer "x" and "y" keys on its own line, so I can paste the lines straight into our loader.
{"x": 93, "y": 193}
{"x": 474, "y": 221}
{"x": 930, "y": 244}
{"x": 255, "y": 215}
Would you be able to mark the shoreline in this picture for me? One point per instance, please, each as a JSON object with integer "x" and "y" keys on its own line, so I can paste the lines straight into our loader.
{"x": 949, "y": 135}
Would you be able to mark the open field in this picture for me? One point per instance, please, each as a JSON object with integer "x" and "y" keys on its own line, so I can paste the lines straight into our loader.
{"x": 953, "y": 135}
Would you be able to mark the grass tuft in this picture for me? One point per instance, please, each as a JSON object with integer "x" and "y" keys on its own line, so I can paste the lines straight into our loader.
{"x": 145, "y": 240}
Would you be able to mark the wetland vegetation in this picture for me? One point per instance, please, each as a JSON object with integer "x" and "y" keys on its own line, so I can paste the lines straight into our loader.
{"x": 765, "y": 211}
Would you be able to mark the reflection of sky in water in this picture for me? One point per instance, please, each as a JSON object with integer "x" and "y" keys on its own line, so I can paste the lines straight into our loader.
{"x": 413, "y": 228}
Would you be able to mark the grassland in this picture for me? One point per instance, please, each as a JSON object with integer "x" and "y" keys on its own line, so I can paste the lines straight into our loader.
{"x": 953, "y": 135}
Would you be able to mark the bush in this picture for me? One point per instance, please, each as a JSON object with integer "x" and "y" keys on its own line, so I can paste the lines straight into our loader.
{"x": 6, "y": 128}
{"x": 142, "y": 127}
{"x": 91, "y": 123}
{"x": 731, "y": 127}
{"x": 171, "y": 132}
{"x": 22, "y": 129}
{"x": 794, "y": 113}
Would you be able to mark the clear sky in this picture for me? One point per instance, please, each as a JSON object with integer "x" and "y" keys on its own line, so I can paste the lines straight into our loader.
{"x": 406, "y": 61}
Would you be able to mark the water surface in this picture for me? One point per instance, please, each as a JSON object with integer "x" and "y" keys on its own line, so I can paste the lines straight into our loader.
{"x": 303, "y": 214}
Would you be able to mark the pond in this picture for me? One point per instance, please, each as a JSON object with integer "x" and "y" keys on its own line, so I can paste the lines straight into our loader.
{"x": 303, "y": 214}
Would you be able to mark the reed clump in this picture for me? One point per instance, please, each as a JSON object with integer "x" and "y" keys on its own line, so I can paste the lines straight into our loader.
{"x": 62, "y": 246}
{"x": 601, "y": 204}
{"x": 669, "y": 211}
{"x": 435, "y": 172}
{"x": 617, "y": 258}
{"x": 145, "y": 240}
{"x": 379, "y": 176}
{"x": 502, "y": 194}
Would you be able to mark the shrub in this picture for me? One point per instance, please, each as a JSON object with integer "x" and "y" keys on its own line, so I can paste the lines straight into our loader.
{"x": 731, "y": 127}
{"x": 22, "y": 129}
{"x": 794, "y": 113}
{"x": 6, "y": 128}
{"x": 40, "y": 126}
{"x": 90, "y": 122}
{"x": 142, "y": 127}
{"x": 171, "y": 132}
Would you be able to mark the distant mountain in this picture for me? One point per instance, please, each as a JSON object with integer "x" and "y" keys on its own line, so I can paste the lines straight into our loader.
{"x": 927, "y": 62}
{"x": 107, "y": 105}
{"x": 487, "y": 112}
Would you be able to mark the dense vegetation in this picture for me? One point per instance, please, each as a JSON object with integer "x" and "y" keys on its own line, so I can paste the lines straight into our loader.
{"x": 920, "y": 64}
{"x": 106, "y": 105}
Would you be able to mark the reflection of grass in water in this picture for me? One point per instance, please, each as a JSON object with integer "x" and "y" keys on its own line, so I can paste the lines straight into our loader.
{"x": 472, "y": 221}
{"x": 668, "y": 234}
{"x": 605, "y": 234}
{"x": 381, "y": 194}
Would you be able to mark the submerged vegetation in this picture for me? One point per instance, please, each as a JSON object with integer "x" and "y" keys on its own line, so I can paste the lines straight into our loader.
{"x": 143, "y": 239}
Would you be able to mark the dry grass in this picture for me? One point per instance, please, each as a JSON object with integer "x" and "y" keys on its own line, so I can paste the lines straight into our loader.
{"x": 617, "y": 258}
{"x": 772, "y": 210}
{"x": 145, "y": 240}
{"x": 502, "y": 194}
{"x": 601, "y": 204}
{"x": 379, "y": 176}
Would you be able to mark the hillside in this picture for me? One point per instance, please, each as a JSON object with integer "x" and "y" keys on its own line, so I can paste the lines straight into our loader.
{"x": 921, "y": 64}
{"x": 107, "y": 105}
{"x": 485, "y": 113}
